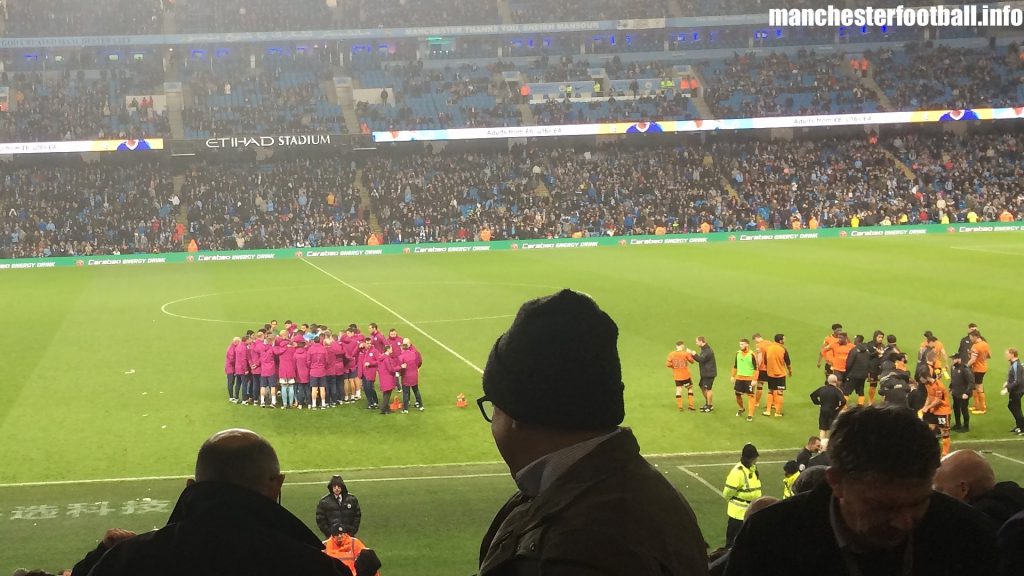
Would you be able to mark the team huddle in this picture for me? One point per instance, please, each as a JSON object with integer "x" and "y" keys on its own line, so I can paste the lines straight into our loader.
{"x": 864, "y": 369}
{"x": 308, "y": 366}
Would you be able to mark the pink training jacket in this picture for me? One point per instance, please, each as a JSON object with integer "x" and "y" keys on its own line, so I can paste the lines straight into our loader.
{"x": 241, "y": 358}
{"x": 229, "y": 359}
{"x": 317, "y": 355}
{"x": 395, "y": 343}
{"x": 301, "y": 365}
{"x": 378, "y": 340}
{"x": 268, "y": 361}
{"x": 386, "y": 368}
{"x": 411, "y": 372}
{"x": 336, "y": 361}
{"x": 369, "y": 356}
{"x": 255, "y": 353}
{"x": 285, "y": 360}
{"x": 351, "y": 347}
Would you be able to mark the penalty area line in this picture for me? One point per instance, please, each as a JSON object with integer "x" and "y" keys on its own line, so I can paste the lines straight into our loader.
{"x": 397, "y": 315}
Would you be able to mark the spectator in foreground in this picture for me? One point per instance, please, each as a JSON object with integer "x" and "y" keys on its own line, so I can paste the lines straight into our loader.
{"x": 588, "y": 503}
{"x": 876, "y": 513}
{"x": 1011, "y": 546}
{"x": 968, "y": 477}
{"x": 227, "y": 521}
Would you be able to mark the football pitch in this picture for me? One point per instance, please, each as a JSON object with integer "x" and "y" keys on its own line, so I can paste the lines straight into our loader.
{"x": 114, "y": 376}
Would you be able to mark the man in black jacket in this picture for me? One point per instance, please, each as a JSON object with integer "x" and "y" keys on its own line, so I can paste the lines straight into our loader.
{"x": 961, "y": 386}
{"x": 339, "y": 506}
{"x": 1015, "y": 389}
{"x": 876, "y": 513}
{"x": 963, "y": 351}
{"x": 968, "y": 477}
{"x": 705, "y": 357}
{"x": 858, "y": 364}
{"x": 894, "y": 383}
{"x": 227, "y": 522}
{"x": 588, "y": 502}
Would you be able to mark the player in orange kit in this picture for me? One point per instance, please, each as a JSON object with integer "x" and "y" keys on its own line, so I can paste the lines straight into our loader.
{"x": 978, "y": 364}
{"x": 760, "y": 348}
{"x": 936, "y": 408}
{"x": 825, "y": 353}
{"x": 679, "y": 361}
{"x": 777, "y": 366}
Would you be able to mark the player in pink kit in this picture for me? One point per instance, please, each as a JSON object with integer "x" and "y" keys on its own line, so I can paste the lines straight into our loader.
{"x": 301, "y": 370}
{"x": 377, "y": 338}
{"x": 241, "y": 368}
{"x": 367, "y": 371}
{"x": 409, "y": 361}
{"x": 255, "y": 367}
{"x": 387, "y": 365}
{"x": 351, "y": 354}
{"x": 268, "y": 372}
{"x": 317, "y": 355}
{"x": 285, "y": 352}
{"x": 229, "y": 367}
{"x": 334, "y": 369}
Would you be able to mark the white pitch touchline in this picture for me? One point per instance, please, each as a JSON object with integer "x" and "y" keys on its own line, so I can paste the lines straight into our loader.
{"x": 701, "y": 480}
{"x": 1014, "y": 460}
{"x": 415, "y": 466}
{"x": 402, "y": 479}
{"x": 398, "y": 316}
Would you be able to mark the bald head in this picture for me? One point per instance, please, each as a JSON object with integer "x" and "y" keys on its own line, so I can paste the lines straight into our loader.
{"x": 964, "y": 475}
{"x": 241, "y": 457}
{"x": 758, "y": 505}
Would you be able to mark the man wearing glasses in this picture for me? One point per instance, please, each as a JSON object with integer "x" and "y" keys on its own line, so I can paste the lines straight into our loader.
{"x": 587, "y": 501}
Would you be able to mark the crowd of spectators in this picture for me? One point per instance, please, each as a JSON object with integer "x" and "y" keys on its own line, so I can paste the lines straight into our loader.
{"x": 530, "y": 192}
{"x": 928, "y": 77}
{"x": 73, "y": 18}
{"x": 293, "y": 203}
{"x": 414, "y": 97}
{"x": 281, "y": 95}
{"x": 83, "y": 210}
{"x": 411, "y": 13}
{"x": 531, "y": 11}
{"x": 251, "y": 15}
{"x": 778, "y": 84}
{"x": 657, "y": 107}
{"x": 56, "y": 106}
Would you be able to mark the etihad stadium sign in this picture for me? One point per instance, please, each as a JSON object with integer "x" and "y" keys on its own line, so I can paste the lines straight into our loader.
{"x": 269, "y": 141}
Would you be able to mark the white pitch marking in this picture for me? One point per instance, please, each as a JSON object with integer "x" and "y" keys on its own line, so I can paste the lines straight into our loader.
{"x": 416, "y": 466}
{"x": 1014, "y": 460}
{"x": 701, "y": 480}
{"x": 401, "y": 479}
{"x": 717, "y": 464}
{"x": 398, "y": 316}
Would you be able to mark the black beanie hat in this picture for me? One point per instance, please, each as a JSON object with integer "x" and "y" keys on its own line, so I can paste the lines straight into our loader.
{"x": 749, "y": 453}
{"x": 558, "y": 365}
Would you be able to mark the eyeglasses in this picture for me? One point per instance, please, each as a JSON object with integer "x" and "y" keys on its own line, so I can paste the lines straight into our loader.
{"x": 486, "y": 407}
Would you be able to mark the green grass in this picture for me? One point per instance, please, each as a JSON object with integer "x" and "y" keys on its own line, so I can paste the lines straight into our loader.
{"x": 74, "y": 409}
